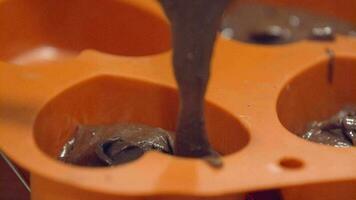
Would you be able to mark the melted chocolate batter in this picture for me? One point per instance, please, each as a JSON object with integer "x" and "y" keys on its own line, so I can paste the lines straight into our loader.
{"x": 264, "y": 24}
{"x": 338, "y": 131}
{"x": 114, "y": 144}
{"x": 194, "y": 25}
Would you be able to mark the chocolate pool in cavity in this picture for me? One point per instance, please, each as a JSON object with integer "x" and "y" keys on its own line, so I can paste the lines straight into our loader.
{"x": 265, "y": 24}
{"x": 114, "y": 144}
{"x": 338, "y": 131}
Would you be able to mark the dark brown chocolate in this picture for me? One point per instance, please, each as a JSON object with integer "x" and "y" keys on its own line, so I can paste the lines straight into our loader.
{"x": 338, "y": 131}
{"x": 194, "y": 26}
{"x": 114, "y": 144}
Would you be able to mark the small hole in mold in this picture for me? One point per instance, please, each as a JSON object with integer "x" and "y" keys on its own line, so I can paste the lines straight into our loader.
{"x": 291, "y": 163}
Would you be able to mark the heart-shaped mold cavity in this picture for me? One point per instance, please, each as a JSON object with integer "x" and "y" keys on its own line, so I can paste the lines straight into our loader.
{"x": 317, "y": 93}
{"x": 110, "y": 100}
{"x": 37, "y": 31}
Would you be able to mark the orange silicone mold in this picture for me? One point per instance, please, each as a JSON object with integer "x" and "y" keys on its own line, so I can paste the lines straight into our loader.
{"x": 259, "y": 99}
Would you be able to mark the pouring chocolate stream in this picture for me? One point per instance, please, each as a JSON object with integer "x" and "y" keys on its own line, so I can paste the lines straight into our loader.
{"x": 194, "y": 26}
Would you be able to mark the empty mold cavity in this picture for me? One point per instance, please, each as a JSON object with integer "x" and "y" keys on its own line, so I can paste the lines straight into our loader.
{"x": 37, "y": 31}
{"x": 313, "y": 96}
{"x": 110, "y": 100}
